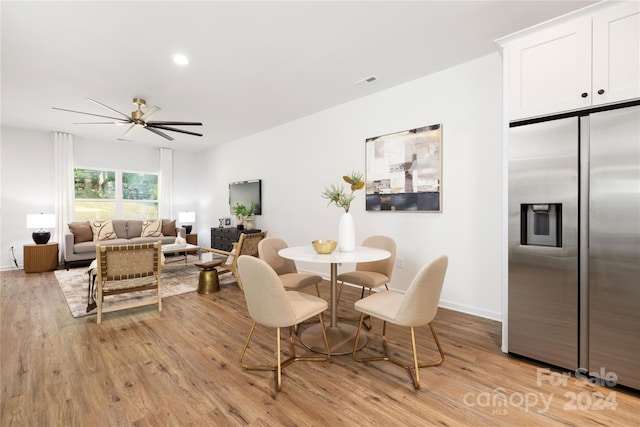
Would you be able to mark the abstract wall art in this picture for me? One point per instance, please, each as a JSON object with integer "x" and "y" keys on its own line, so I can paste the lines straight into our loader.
{"x": 404, "y": 170}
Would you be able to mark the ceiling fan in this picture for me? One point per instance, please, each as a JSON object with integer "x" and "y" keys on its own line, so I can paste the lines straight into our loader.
{"x": 138, "y": 118}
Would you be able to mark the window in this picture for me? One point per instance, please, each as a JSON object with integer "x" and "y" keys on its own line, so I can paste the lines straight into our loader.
{"x": 103, "y": 194}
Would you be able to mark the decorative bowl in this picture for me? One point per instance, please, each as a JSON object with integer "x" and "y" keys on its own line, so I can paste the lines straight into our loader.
{"x": 324, "y": 246}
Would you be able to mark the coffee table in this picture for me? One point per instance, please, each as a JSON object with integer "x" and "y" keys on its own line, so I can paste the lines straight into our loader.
{"x": 182, "y": 249}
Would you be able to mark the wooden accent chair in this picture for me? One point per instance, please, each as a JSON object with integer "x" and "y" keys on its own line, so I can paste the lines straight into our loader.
{"x": 286, "y": 270}
{"x": 126, "y": 269}
{"x": 247, "y": 244}
{"x": 270, "y": 305}
{"x": 417, "y": 307}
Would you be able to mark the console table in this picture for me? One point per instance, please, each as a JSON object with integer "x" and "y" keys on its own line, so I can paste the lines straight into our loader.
{"x": 224, "y": 238}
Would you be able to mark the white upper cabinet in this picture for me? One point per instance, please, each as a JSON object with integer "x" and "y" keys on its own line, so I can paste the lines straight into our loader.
{"x": 616, "y": 53}
{"x": 582, "y": 62}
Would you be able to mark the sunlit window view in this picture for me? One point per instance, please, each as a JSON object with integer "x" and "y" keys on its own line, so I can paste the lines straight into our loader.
{"x": 101, "y": 194}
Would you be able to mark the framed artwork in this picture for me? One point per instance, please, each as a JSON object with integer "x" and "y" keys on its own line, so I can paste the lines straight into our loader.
{"x": 404, "y": 170}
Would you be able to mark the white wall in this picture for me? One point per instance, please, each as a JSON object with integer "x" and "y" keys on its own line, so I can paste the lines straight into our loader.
{"x": 27, "y": 186}
{"x": 298, "y": 159}
{"x": 27, "y": 179}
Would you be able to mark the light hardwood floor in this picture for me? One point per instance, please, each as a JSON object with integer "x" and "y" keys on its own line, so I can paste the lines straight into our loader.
{"x": 180, "y": 368}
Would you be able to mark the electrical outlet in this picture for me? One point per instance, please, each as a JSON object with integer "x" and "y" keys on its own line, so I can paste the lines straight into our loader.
{"x": 400, "y": 262}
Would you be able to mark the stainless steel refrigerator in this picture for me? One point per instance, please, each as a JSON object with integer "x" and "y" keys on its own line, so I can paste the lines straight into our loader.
{"x": 574, "y": 242}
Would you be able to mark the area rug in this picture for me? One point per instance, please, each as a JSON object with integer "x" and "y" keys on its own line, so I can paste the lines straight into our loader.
{"x": 176, "y": 280}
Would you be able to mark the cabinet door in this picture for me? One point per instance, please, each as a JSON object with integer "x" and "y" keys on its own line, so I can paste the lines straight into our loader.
{"x": 616, "y": 54}
{"x": 550, "y": 71}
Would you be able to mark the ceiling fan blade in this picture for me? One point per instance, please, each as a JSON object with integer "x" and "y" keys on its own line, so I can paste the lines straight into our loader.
{"x": 157, "y": 132}
{"x": 172, "y": 129}
{"x": 91, "y": 114}
{"x": 175, "y": 123}
{"x": 128, "y": 131}
{"x": 99, "y": 123}
{"x": 146, "y": 116}
{"x": 109, "y": 108}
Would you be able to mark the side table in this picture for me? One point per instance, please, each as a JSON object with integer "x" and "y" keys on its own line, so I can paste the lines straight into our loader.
{"x": 192, "y": 239}
{"x": 208, "y": 281}
{"x": 40, "y": 258}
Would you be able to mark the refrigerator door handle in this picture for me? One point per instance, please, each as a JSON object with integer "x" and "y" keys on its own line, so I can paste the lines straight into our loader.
{"x": 583, "y": 244}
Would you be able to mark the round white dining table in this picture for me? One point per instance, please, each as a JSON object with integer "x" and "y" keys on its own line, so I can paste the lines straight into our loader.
{"x": 341, "y": 335}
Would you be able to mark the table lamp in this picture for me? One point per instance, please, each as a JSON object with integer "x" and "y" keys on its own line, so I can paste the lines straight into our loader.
{"x": 40, "y": 222}
{"x": 186, "y": 217}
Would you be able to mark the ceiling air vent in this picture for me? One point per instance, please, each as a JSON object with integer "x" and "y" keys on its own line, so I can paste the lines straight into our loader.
{"x": 366, "y": 80}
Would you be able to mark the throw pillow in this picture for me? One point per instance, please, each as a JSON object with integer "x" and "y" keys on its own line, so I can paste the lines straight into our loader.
{"x": 81, "y": 232}
{"x": 232, "y": 255}
{"x": 169, "y": 227}
{"x": 151, "y": 228}
{"x": 103, "y": 230}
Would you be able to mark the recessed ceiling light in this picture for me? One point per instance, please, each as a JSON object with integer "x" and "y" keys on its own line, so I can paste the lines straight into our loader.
{"x": 180, "y": 59}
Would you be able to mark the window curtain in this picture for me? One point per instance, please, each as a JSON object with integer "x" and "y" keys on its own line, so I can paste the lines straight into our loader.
{"x": 63, "y": 167}
{"x": 165, "y": 186}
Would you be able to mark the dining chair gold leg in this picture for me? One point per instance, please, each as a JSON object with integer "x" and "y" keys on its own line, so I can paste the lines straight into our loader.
{"x": 326, "y": 344}
{"x": 339, "y": 293}
{"x": 279, "y": 366}
{"x": 244, "y": 347}
{"x": 412, "y": 368}
{"x": 357, "y": 339}
{"x": 260, "y": 367}
{"x": 283, "y": 363}
{"x": 437, "y": 362}
{"x": 416, "y": 371}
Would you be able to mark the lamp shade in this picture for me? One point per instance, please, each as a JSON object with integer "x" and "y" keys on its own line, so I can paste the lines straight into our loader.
{"x": 41, "y": 221}
{"x": 185, "y": 217}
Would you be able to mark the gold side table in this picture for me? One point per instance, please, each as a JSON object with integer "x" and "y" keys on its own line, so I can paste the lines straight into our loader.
{"x": 40, "y": 258}
{"x": 208, "y": 281}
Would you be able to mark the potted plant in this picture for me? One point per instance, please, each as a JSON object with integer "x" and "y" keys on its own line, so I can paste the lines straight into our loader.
{"x": 240, "y": 210}
{"x": 249, "y": 217}
{"x": 244, "y": 215}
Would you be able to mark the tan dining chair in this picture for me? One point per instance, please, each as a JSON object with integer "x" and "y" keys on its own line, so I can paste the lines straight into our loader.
{"x": 270, "y": 305}
{"x": 370, "y": 275}
{"x": 285, "y": 268}
{"x": 417, "y": 307}
{"x": 247, "y": 244}
{"x": 127, "y": 269}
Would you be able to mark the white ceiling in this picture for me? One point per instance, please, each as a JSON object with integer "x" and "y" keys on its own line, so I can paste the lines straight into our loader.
{"x": 254, "y": 65}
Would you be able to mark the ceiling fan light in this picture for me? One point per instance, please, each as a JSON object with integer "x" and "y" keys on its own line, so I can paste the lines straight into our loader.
{"x": 180, "y": 59}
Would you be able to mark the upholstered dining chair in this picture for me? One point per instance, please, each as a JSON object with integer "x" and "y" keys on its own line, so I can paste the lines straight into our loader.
{"x": 270, "y": 305}
{"x": 285, "y": 268}
{"x": 371, "y": 274}
{"x": 417, "y": 307}
{"x": 247, "y": 244}
{"x": 125, "y": 269}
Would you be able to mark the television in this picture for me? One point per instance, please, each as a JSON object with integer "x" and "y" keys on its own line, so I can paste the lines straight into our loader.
{"x": 245, "y": 193}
